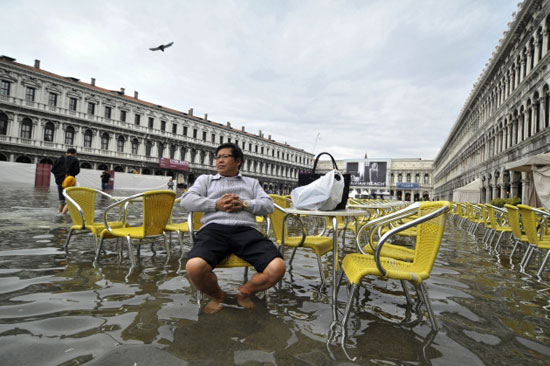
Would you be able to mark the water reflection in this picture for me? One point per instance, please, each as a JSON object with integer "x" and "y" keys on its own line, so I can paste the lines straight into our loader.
{"x": 67, "y": 311}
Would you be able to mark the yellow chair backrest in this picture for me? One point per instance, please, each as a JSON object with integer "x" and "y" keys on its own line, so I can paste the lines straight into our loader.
{"x": 429, "y": 235}
{"x": 529, "y": 223}
{"x": 157, "y": 208}
{"x": 277, "y": 216}
{"x": 514, "y": 220}
{"x": 85, "y": 198}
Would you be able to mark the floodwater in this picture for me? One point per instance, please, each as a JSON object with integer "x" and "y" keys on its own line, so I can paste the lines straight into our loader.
{"x": 61, "y": 310}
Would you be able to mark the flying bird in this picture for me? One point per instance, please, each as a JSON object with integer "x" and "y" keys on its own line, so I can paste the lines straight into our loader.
{"x": 161, "y": 47}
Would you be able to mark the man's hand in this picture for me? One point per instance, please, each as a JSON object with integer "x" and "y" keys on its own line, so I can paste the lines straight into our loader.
{"x": 229, "y": 203}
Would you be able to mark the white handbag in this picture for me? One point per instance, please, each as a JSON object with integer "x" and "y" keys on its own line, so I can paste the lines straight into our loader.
{"x": 323, "y": 194}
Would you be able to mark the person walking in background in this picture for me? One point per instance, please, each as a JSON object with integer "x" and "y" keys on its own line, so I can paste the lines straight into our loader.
{"x": 67, "y": 164}
{"x": 105, "y": 177}
{"x": 170, "y": 184}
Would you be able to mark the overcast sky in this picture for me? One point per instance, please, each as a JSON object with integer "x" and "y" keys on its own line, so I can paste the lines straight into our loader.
{"x": 386, "y": 77}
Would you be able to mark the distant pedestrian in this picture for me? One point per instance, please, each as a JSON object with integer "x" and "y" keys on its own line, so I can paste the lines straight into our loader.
{"x": 67, "y": 164}
{"x": 170, "y": 184}
{"x": 105, "y": 177}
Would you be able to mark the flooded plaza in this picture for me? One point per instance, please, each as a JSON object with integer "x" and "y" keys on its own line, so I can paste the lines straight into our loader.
{"x": 58, "y": 309}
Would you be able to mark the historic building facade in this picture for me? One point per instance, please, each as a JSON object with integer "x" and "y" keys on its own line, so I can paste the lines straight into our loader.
{"x": 402, "y": 179}
{"x": 507, "y": 114}
{"x": 42, "y": 114}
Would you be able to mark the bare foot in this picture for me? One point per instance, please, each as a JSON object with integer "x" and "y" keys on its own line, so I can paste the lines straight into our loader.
{"x": 244, "y": 300}
{"x": 213, "y": 306}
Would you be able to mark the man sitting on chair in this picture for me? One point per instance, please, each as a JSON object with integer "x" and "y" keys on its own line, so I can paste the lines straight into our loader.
{"x": 230, "y": 203}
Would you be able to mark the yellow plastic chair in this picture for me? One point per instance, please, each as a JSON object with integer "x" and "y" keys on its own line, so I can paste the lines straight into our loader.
{"x": 515, "y": 223}
{"x": 231, "y": 261}
{"x": 181, "y": 228}
{"x": 430, "y": 225}
{"x": 157, "y": 208}
{"x": 319, "y": 244}
{"x": 81, "y": 202}
{"x": 499, "y": 225}
{"x": 366, "y": 237}
{"x": 536, "y": 236}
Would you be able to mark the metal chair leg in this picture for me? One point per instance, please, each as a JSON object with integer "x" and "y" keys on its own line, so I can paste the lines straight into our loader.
{"x": 543, "y": 263}
{"x": 321, "y": 273}
{"x": 66, "y": 246}
{"x": 406, "y": 292}
{"x": 428, "y": 304}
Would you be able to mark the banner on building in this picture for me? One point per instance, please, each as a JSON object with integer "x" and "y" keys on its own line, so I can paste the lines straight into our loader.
{"x": 173, "y": 164}
{"x": 367, "y": 173}
{"x": 406, "y": 185}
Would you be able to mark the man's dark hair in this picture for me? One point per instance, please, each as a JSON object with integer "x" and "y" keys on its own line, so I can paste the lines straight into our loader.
{"x": 71, "y": 150}
{"x": 235, "y": 151}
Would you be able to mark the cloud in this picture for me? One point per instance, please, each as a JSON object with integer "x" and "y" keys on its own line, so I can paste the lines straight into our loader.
{"x": 384, "y": 77}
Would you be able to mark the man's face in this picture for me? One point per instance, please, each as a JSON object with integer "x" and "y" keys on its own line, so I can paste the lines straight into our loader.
{"x": 226, "y": 164}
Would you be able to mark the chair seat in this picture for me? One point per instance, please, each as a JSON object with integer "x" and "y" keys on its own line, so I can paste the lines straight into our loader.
{"x": 134, "y": 232}
{"x": 183, "y": 226}
{"x": 97, "y": 228}
{"x": 319, "y": 244}
{"x": 232, "y": 261}
{"x": 393, "y": 251}
{"x": 356, "y": 266}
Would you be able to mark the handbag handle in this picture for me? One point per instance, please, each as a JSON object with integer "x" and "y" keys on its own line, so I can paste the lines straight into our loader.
{"x": 334, "y": 165}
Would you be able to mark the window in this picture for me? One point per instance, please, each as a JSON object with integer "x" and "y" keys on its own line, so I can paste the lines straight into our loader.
{"x": 91, "y": 108}
{"x": 26, "y": 128}
{"x": 417, "y": 178}
{"x": 160, "y": 149}
{"x": 221, "y": 139}
{"x": 69, "y": 135}
{"x": 148, "y": 147}
{"x": 400, "y": 178}
{"x": 163, "y": 125}
{"x": 123, "y": 116}
{"x": 105, "y": 141}
{"x": 184, "y": 131}
{"x": 3, "y": 124}
{"x": 120, "y": 144}
{"x": 195, "y": 133}
{"x": 213, "y": 137}
{"x": 137, "y": 119}
{"x": 135, "y": 146}
{"x": 426, "y": 179}
{"x": 72, "y": 104}
{"x": 151, "y": 122}
{"x": 172, "y": 151}
{"x": 29, "y": 94}
{"x": 203, "y": 135}
{"x": 52, "y": 99}
{"x": 262, "y": 150}
{"x": 5, "y": 88}
{"x": 108, "y": 111}
{"x": 88, "y": 138}
{"x": 174, "y": 128}
{"x": 256, "y": 150}
{"x": 408, "y": 177}
{"x": 48, "y": 132}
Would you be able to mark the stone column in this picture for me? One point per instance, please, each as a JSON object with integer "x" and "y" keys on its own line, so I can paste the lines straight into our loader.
{"x": 513, "y": 187}
{"x": 544, "y": 41}
{"x": 524, "y": 188}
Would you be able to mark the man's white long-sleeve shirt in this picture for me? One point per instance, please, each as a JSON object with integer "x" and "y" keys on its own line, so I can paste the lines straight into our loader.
{"x": 207, "y": 189}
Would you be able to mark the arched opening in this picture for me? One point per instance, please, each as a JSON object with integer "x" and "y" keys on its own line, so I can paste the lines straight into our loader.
{"x": 86, "y": 165}
{"x": 26, "y": 128}
{"x": 119, "y": 169}
{"x": 102, "y": 167}
{"x": 88, "y": 136}
{"x": 69, "y": 135}
{"x": 46, "y": 161}
{"x": 48, "y": 131}
{"x": 23, "y": 159}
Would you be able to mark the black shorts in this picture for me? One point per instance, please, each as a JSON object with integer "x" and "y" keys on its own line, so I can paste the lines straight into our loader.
{"x": 214, "y": 242}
